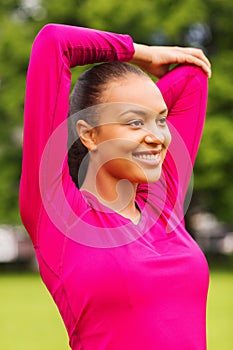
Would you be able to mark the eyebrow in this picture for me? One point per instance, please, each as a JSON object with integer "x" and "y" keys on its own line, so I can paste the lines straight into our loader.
{"x": 134, "y": 111}
{"x": 163, "y": 111}
{"x": 142, "y": 113}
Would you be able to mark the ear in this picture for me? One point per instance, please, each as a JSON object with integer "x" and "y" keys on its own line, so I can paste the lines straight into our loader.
{"x": 87, "y": 134}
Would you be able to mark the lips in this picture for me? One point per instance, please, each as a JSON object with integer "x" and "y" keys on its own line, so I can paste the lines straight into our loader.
{"x": 152, "y": 157}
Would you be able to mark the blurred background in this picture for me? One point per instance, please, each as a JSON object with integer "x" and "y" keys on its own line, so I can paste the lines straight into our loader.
{"x": 28, "y": 317}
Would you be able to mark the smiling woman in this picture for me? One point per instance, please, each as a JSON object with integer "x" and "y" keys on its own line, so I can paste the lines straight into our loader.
{"x": 112, "y": 248}
{"x": 142, "y": 126}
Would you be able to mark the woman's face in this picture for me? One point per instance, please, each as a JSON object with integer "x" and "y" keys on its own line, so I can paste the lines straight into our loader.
{"x": 132, "y": 137}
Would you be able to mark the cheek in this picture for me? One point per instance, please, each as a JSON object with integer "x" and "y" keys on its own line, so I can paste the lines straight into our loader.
{"x": 125, "y": 169}
{"x": 116, "y": 148}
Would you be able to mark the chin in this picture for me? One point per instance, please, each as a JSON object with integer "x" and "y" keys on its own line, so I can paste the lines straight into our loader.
{"x": 151, "y": 177}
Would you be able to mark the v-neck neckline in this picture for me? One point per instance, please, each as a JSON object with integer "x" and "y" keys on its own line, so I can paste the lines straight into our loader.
{"x": 93, "y": 201}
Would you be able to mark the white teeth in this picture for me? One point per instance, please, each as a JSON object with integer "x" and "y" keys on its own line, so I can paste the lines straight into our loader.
{"x": 147, "y": 156}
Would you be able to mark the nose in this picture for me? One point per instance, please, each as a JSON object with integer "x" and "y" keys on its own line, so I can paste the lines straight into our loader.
{"x": 154, "y": 136}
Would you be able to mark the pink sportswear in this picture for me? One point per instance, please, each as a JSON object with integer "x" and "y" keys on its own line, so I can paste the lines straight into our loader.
{"x": 118, "y": 286}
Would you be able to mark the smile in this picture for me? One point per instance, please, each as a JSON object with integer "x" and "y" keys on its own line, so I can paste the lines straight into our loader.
{"x": 147, "y": 156}
{"x": 151, "y": 158}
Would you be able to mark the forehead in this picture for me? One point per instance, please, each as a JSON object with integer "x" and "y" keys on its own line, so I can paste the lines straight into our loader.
{"x": 138, "y": 90}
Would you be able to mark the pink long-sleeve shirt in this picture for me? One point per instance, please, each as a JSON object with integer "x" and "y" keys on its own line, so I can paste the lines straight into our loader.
{"x": 117, "y": 285}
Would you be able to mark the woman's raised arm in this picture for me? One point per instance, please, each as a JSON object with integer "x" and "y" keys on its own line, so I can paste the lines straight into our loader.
{"x": 56, "y": 49}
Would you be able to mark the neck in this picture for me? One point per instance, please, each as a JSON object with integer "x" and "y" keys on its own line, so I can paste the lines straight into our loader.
{"x": 118, "y": 195}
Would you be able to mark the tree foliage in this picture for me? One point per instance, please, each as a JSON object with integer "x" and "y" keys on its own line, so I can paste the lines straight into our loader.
{"x": 206, "y": 24}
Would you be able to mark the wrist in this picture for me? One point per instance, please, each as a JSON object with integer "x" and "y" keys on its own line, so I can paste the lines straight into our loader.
{"x": 142, "y": 54}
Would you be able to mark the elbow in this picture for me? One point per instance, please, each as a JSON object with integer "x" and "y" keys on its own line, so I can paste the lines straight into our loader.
{"x": 47, "y": 37}
{"x": 48, "y": 31}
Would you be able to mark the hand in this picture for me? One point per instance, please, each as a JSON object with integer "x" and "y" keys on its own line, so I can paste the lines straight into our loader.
{"x": 156, "y": 60}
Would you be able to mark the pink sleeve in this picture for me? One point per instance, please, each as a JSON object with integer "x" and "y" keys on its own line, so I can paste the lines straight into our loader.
{"x": 55, "y": 50}
{"x": 184, "y": 90}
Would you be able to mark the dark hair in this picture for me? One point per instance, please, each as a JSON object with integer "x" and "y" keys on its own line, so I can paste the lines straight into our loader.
{"x": 87, "y": 92}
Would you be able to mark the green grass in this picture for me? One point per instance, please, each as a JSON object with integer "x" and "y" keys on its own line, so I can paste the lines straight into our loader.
{"x": 220, "y": 304}
{"x": 29, "y": 319}
{"x": 220, "y": 311}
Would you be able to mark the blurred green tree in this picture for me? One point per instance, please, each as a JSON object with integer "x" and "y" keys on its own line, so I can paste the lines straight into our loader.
{"x": 206, "y": 24}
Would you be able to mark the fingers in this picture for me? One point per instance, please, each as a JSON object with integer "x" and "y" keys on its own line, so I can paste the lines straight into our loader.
{"x": 199, "y": 54}
{"x": 197, "y": 57}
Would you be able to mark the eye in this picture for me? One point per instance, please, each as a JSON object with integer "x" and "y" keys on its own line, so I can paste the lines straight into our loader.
{"x": 135, "y": 123}
{"x": 162, "y": 121}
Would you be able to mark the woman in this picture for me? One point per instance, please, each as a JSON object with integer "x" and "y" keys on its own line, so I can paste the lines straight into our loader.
{"x": 111, "y": 243}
